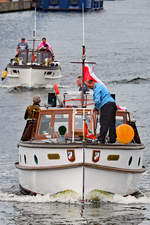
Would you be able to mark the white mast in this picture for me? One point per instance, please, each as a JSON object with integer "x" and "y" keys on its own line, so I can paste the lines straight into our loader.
{"x": 34, "y": 31}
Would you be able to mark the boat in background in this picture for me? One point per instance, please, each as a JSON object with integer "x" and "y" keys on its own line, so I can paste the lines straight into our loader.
{"x": 32, "y": 74}
{"x": 69, "y": 5}
{"x": 32, "y": 68}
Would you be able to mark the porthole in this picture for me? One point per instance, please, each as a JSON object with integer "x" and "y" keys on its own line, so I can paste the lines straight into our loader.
{"x": 130, "y": 161}
{"x": 139, "y": 161}
{"x": 25, "y": 159}
{"x": 35, "y": 159}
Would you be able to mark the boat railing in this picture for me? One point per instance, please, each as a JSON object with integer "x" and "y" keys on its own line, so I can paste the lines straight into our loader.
{"x": 35, "y": 57}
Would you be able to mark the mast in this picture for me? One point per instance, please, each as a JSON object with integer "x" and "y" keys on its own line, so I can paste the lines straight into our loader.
{"x": 83, "y": 55}
{"x": 82, "y": 100}
{"x": 34, "y": 30}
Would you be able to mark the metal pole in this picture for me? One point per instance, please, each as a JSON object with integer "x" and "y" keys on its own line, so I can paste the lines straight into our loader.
{"x": 83, "y": 56}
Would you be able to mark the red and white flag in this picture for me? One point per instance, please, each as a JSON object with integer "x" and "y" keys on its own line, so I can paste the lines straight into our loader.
{"x": 89, "y": 74}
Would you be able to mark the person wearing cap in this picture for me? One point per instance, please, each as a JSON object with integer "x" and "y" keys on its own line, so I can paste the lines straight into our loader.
{"x": 32, "y": 110}
{"x": 22, "y": 49}
{"x": 31, "y": 115}
{"x": 22, "y": 46}
{"x": 107, "y": 107}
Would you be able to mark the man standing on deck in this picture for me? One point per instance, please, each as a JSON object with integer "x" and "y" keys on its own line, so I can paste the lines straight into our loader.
{"x": 31, "y": 115}
{"x": 32, "y": 110}
{"x": 107, "y": 107}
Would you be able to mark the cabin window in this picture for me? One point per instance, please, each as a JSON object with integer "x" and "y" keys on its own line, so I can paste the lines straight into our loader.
{"x": 119, "y": 120}
{"x": 44, "y": 124}
{"x": 79, "y": 121}
{"x": 60, "y": 120}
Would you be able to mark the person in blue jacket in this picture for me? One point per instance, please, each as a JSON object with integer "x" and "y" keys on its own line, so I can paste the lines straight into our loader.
{"x": 107, "y": 107}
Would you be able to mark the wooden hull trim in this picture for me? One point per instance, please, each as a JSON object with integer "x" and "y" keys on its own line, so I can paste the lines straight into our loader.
{"x": 93, "y": 146}
{"x": 89, "y": 165}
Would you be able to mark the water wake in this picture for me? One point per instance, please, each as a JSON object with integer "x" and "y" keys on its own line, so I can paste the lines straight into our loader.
{"x": 71, "y": 197}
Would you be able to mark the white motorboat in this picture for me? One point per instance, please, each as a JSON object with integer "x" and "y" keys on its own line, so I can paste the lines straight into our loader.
{"x": 33, "y": 75}
{"x": 59, "y": 154}
{"x": 32, "y": 68}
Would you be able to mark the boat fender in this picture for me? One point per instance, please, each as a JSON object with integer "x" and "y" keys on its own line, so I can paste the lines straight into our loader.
{"x": 58, "y": 95}
{"x": 56, "y": 89}
{"x": 52, "y": 64}
{"x": 4, "y": 74}
{"x": 125, "y": 133}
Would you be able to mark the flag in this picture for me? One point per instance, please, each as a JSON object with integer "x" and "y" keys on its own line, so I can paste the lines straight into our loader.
{"x": 89, "y": 74}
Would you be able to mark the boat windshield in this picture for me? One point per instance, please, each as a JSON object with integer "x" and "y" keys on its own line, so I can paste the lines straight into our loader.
{"x": 60, "y": 120}
{"x": 44, "y": 124}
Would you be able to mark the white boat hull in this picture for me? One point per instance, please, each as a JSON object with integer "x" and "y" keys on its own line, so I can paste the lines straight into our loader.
{"x": 82, "y": 175}
{"x": 32, "y": 76}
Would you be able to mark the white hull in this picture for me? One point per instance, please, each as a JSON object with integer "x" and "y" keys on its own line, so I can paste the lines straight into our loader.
{"x": 32, "y": 76}
{"x": 83, "y": 175}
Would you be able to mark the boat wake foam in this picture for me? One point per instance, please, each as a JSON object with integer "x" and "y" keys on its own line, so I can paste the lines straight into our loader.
{"x": 71, "y": 197}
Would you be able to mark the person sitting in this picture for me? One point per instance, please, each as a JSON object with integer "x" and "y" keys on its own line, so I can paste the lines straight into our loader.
{"x": 79, "y": 84}
{"x": 45, "y": 46}
{"x": 22, "y": 48}
{"x": 31, "y": 115}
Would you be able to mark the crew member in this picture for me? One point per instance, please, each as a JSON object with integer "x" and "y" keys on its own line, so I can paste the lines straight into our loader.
{"x": 32, "y": 110}
{"x": 45, "y": 46}
{"x": 22, "y": 49}
{"x": 79, "y": 84}
{"x": 107, "y": 107}
{"x": 22, "y": 46}
{"x": 31, "y": 114}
